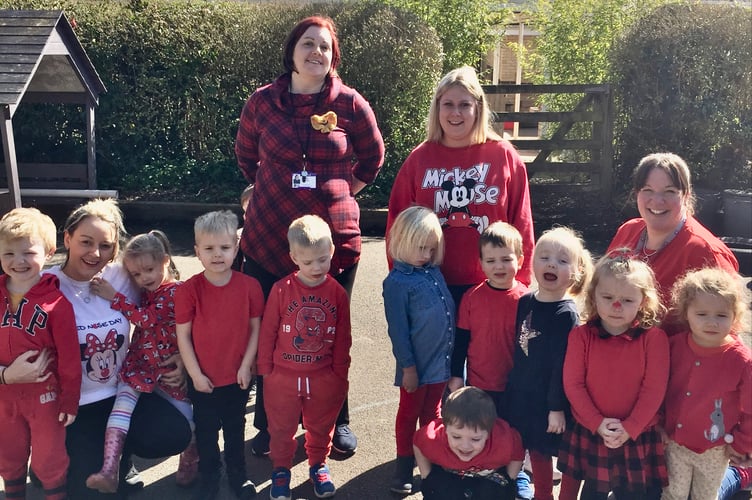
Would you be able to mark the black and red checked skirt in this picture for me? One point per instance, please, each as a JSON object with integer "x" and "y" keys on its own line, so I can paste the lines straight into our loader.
{"x": 635, "y": 466}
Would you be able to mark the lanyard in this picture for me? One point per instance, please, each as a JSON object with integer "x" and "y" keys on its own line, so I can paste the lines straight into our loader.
{"x": 304, "y": 145}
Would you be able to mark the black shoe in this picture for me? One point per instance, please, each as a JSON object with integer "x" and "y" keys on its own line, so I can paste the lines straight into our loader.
{"x": 208, "y": 487}
{"x": 402, "y": 482}
{"x": 240, "y": 484}
{"x": 260, "y": 443}
{"x": 344, "y": 440}
{"x": 132, "y": 480}
{"x": 34, "y": 479}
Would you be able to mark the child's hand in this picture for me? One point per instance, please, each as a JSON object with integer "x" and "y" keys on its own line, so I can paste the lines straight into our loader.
{"x": 556, "y": 422}
{"x": 245, "y": 375}
{"x": 664, "y": 435}
{"x": 203, "y": 384}
{"x": 455, "y": 383}
{"x": 102, "y": 287}
{"x": 66, "y": 419}
{"x": 735, "y": 457}
{"x": 410, "y": 379}
{"x": 619, "y": 435}
{"x": 607, "y": 427}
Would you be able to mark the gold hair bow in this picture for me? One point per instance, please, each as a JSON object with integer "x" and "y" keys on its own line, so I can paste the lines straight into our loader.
{"x": 325, "y": 123}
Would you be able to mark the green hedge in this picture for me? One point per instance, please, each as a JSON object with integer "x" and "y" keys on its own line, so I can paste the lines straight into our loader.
{"x": 179, "y": 72}
{"x": 683, "y": 83}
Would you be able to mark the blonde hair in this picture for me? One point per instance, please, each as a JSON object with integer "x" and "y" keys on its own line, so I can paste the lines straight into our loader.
{"x": 501, "y": 234}
{"x": 469, "y": 407}
{"x": 571, "y": 242}
{"x": 465, "y": 78}
{"x": 106, "y": 210}
{"x": 309, "y": 231}
{"x": 154, "y": 244}
{"x": 713, "y": 281}
{"x": 619, "y": 264}
{"x": 29, "y": 223}
{"x": 217, "y": 222}
{"x": 411, "y": 229}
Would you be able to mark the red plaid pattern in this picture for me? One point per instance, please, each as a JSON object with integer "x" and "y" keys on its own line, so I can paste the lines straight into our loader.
{"x": 275, "y": 129}
{"x": 637, "y": 465}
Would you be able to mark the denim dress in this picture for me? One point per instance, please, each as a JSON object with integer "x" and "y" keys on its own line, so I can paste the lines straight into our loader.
{"x": 420, "y": 318}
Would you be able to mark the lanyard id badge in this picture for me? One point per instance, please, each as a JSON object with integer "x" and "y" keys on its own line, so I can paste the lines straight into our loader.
{"x": 304, "y": 180}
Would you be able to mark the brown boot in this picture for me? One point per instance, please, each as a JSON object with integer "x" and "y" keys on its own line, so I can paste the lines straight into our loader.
{"x": 106, "y": 480}
{"x": 188, "y": 466}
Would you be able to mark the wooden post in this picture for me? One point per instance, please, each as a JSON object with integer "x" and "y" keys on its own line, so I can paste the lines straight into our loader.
{"x": 9, "y": 150}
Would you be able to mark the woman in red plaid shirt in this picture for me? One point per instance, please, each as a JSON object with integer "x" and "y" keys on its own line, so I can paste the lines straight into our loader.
{"x": 308, "y": 143}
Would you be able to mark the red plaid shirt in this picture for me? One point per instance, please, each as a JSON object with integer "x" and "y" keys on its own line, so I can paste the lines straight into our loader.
{"x": 274, "y": 132}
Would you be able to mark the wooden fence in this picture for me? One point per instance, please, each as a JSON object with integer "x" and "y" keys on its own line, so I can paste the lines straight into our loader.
{"x": 569, "y": 157}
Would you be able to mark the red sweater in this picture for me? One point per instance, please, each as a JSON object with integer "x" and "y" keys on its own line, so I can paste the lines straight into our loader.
{"x": 468, "y": 188}
{"x": 44, "y": 320}
{"x": 616, "y": 377}
{"x": 504, "y": 445}
{"x": 489, "y": 315}
{"x": 709, "y": 395}
{"x": 305, "y": 329}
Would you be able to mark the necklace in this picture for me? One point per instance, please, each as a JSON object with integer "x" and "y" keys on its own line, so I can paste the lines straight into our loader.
{"x": 641, "y": 244}
{"x": 80, "y": 289}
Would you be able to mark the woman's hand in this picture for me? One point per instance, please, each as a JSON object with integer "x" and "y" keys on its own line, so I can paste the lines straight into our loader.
{"x": 24, "y": 371}
{"x": 556, "y": 422}
{"x": 410, "y": 379}
{"x": 66, "y": 419}
{"x": 455, "y": 383}
{"x": 245, "y": 376}
{"x": 175, "y": 377}
{"x": 102, "y": 288}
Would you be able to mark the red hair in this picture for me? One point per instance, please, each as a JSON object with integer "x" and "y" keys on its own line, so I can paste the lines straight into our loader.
{"x": 297, "y": 33}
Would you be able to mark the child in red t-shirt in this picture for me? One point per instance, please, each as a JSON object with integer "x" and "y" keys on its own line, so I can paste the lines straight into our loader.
{"x": 218, "y": 315}
{"x": 486, "y": 321}
{"x": 615, "y": 375}
{"x": 304, "y": 357}
{"x": 468, "y": 449}
{"x": 708, "y": 407}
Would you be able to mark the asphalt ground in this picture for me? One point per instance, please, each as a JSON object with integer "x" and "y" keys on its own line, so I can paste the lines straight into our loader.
{"x": 373, "y": 399}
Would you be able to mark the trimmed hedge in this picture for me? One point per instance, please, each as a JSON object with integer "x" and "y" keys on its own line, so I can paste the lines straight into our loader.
{"x": 683, "y": 83}
{"x": 179, "y": 72}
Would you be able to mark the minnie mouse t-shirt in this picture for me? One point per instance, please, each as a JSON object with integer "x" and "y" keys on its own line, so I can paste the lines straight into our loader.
{"x": 103, "y": 333}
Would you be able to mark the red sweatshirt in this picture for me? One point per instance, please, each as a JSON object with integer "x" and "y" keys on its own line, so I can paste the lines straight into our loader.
{"x": 44, "y": 319}
{"x": 305, "y": 329}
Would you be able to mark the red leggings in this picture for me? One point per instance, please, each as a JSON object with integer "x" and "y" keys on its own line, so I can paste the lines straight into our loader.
{"x": 543, "y": 479}
{"x": 423, "y": 405}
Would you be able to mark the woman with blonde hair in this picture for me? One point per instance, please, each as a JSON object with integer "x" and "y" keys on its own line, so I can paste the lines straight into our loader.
{"x": 468, "y": 176}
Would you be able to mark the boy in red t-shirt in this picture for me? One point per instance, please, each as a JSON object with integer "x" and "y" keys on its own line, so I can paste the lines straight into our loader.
{"x": 486, "y": 320}
{"x": 304, "y": 357}
{"x": 218, "y": 315}
{"x": 468, "y": 450}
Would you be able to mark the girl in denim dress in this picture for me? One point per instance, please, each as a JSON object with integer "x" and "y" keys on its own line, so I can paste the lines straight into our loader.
{"x": 420, "y": 317}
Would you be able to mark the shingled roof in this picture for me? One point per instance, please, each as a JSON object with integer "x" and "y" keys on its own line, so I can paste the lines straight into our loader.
{"x": 42, "y": 60}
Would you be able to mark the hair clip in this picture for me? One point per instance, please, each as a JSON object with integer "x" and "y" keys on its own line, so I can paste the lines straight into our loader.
{"x": 622, "y": 254}
{"x": 325, "y": 123}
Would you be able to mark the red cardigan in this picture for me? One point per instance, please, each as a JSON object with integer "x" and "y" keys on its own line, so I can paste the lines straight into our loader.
{"x": 709, "y": 395}
{"x": 616, "y": 376}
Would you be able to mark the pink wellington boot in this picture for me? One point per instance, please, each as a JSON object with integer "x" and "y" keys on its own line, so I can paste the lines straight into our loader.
{"x": 106, "y": 480}
{"x": 188, "y": 465}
